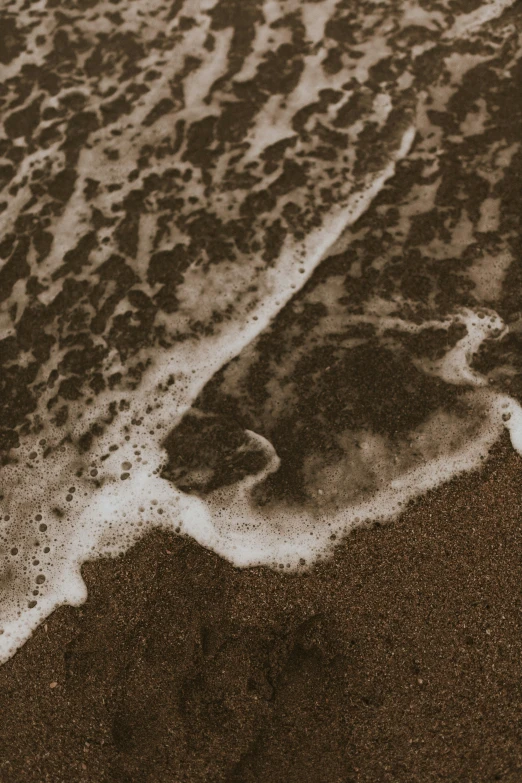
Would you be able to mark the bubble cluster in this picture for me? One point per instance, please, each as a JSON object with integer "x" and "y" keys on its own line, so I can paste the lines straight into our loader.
{"x": 86, "y": 481}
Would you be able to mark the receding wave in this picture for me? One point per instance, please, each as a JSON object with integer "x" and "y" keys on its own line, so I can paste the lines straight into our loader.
{"x": 260, "y": 281}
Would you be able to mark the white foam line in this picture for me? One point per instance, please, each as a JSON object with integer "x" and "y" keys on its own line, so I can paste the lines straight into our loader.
{"x": 107, "y": 520}
{"x": 199, "y": 362}
{"x": 247, "y": 535}
{"x": 469, "y": 23}
{"x": 249, "y": 544}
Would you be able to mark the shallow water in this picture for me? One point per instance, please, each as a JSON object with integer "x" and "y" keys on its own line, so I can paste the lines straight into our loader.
{"x": 260, "y": 274}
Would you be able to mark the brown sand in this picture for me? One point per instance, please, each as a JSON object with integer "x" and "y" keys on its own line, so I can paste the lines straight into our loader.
{"x": 397, "y": 660}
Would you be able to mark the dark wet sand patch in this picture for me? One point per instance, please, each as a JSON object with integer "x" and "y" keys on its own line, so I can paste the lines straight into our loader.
{"x": 397, "y": 660}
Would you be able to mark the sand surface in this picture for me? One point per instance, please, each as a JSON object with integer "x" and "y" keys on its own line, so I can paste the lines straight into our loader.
{"x": 263, "y": 259}
{"x": 398, "y": 660}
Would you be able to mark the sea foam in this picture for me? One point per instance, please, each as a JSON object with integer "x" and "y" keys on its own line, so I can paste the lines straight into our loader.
{"x": 62, "y": 505}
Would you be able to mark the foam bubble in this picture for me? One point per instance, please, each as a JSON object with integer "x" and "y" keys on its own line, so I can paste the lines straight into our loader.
{"x": 377, "y": 478}
{"x": 102, "y": 516}
{"x": 62, "y": 506}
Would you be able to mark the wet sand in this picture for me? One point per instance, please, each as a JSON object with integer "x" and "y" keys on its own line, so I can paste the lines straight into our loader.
{"x": 397, "y": 660}
{"x": 150, "y": 196}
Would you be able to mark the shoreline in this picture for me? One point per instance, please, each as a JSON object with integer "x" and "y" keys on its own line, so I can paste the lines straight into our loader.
{"x": 395, "y": 660}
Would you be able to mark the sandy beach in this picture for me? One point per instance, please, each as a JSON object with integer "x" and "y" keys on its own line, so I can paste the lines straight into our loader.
{"x": 398, "y": 660}
{"x": 261, "y": 391}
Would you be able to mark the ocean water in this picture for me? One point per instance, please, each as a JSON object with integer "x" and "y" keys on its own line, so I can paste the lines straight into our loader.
{"x": 260, "y": 276}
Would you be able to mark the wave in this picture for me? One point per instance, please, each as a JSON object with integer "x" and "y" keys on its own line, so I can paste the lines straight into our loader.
{"x": 260, "y": 281}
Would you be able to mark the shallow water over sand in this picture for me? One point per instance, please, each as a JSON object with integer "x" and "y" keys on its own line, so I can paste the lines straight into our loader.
{"x": 260, "y": 274}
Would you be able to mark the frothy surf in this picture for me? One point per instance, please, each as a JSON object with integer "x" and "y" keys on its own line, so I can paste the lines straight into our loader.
{"x": 117, "y": 464}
